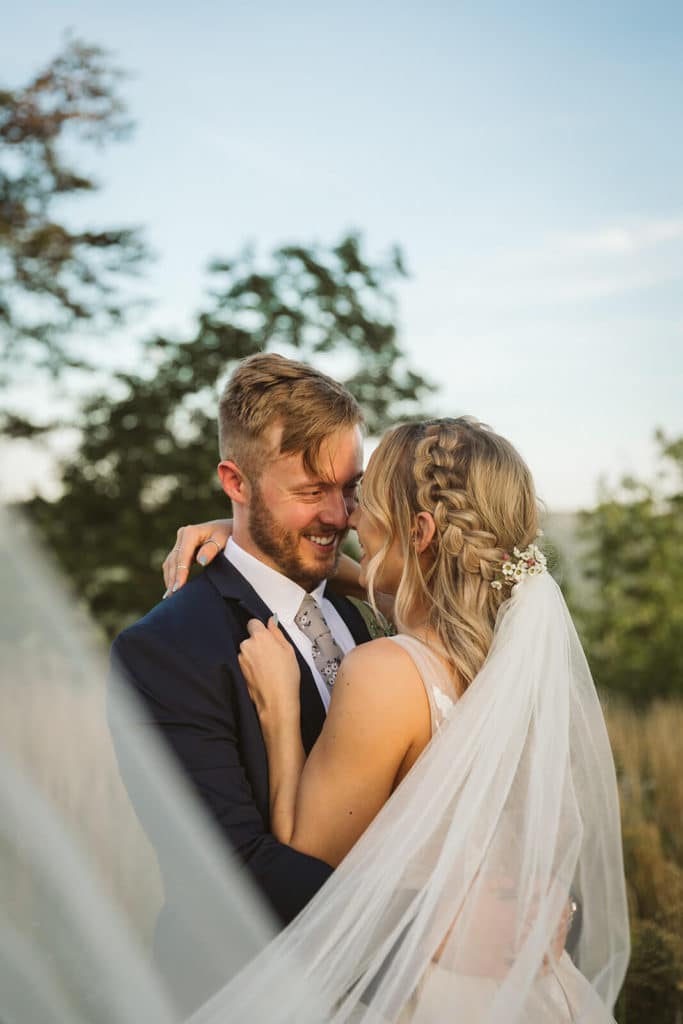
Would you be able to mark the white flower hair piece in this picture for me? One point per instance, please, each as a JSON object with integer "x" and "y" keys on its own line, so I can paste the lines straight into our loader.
{"x": 530, "y": 562}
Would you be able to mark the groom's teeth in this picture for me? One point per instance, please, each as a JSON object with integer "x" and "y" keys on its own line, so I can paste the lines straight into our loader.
{"x": 325, "y": 541}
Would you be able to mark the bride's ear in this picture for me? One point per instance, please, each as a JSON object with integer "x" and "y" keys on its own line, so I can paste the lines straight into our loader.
{"x": 423, "y": 531}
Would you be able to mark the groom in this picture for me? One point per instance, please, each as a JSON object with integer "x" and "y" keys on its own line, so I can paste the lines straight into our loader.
{"x": 291, "y": 459}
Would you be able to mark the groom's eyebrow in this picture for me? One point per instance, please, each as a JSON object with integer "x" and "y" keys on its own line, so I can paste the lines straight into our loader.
{"x": 351, "y": 482}
{"x": 328, "y": 482}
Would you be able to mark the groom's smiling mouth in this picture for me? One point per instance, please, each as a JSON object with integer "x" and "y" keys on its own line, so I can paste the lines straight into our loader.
{"x": 323, "y": 541}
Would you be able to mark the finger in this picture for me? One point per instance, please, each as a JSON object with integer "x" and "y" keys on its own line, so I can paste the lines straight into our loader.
{"x": 276, "y": 632}
{"x": 208, "y": 551}
{"x": 243, "y": 662}
{"x": 168, "y": 570}
{"x": 255, "y": 626}
{"x": 169, "y": 564}
{"x": 184, "y": 551}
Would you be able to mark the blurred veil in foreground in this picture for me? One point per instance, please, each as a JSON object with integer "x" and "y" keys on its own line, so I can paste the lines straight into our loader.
{"x": 79, "y": 881}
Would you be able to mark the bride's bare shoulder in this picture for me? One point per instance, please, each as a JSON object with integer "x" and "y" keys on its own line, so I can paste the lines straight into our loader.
{"x": 383, "y": 670}
{"x": 378, "y": 653}
{"x": 379, "y": 704}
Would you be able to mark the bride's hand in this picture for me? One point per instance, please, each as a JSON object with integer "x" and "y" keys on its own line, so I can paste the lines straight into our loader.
{"x": 202, "y": 541}
{"x": 269, "y": 665}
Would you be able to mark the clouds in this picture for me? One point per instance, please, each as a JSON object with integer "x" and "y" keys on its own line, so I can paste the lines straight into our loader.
{"x": 627, "y": 239}
{"x": 570, "y": 345}
{"x": 634, "y": 263}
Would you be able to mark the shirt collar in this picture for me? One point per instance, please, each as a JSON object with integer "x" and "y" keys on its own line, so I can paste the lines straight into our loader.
{"x": 281, "y": 594}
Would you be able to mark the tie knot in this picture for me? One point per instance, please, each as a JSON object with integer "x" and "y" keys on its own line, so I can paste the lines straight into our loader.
{"x": 310, "y": 618}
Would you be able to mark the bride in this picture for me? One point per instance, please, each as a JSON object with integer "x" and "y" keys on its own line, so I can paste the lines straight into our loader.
{"x": 462, "y": 786}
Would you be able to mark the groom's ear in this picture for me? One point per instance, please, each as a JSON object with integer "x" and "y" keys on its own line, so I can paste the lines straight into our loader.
{"x": 233, "y": 482}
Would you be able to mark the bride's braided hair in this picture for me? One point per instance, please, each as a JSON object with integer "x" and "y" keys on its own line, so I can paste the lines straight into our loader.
{"x": 481, "y": 496}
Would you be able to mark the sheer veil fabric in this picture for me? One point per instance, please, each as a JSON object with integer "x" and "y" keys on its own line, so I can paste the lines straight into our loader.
{"x": 448, "y": 904}
{"x": 80, "y": 886}
{"x": 444, "y": 910}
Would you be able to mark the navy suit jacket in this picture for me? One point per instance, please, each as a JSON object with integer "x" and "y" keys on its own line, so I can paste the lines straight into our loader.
{"x": 181, "y": 659}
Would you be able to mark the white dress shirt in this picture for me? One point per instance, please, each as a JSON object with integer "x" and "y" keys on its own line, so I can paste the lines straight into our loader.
{"x": 284, "y": 597}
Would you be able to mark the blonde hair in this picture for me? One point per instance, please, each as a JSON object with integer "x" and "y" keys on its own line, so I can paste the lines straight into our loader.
{"x": 268, "y": 389}
{"x": 481, "y": 495}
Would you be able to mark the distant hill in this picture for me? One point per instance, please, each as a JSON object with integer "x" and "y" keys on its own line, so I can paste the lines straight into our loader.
{"x": 562, "y": 532}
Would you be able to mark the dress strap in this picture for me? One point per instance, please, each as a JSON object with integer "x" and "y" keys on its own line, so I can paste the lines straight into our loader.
{"x": 435, "y": 676}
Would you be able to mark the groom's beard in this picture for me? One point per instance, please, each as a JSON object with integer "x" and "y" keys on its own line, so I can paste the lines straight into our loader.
{"x": 284, "y": 546}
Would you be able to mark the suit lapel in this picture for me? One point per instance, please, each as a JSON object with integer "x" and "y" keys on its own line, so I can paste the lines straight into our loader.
{"x": 312, "y": 707}
{"x": 233, "y": 586}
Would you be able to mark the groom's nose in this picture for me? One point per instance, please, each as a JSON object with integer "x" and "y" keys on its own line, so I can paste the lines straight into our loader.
{"x": 334, "y": 511}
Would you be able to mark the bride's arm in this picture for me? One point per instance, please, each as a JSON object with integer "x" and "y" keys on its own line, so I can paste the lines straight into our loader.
{"x": 201, "y": 542}
{"x": 370, "y": 729}
{"x": 378, "y": 721}
{"x": 270, "y": 668}
{"x": 345, "y": 582}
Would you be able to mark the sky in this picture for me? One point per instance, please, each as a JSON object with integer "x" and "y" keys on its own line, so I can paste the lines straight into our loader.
{"x": 527, "y": 159}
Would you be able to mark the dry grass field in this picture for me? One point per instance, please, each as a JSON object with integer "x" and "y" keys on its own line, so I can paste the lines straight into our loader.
{"x": 648, "y": 751}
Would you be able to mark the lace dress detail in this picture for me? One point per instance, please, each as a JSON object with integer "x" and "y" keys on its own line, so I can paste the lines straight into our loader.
{"x": 436, "y": 678}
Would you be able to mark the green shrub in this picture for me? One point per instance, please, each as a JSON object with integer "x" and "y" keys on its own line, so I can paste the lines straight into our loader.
{"x": 653, "y": 990}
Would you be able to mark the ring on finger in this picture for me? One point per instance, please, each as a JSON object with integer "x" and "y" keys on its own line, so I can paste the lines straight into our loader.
{"x": 180, "y": 565}
{"x": 212, "y": 541}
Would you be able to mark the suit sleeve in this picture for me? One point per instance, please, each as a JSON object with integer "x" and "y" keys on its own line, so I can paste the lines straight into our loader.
{"x": 190, "y": 705}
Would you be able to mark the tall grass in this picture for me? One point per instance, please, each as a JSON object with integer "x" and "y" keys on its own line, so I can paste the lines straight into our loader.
{"x": 648, "y": 753}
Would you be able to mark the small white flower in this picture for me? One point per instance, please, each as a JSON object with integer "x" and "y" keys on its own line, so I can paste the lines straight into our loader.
{"x": 530, "y": 562}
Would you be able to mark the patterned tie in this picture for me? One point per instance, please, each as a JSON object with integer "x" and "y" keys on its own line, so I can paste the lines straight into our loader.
{"x": 327, "y": 654}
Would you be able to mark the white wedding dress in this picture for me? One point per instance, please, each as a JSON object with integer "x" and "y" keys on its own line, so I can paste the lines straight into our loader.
{"x": 552, "y": 999}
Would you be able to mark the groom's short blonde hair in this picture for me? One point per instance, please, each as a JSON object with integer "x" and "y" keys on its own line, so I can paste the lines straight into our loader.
{"x": 268, "y": 389}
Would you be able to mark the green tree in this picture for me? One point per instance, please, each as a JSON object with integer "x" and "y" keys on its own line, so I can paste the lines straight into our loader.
{"x": 55, "y": 277}
{"x": 147, "y": 459}
{"x": 633, "y": 623}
